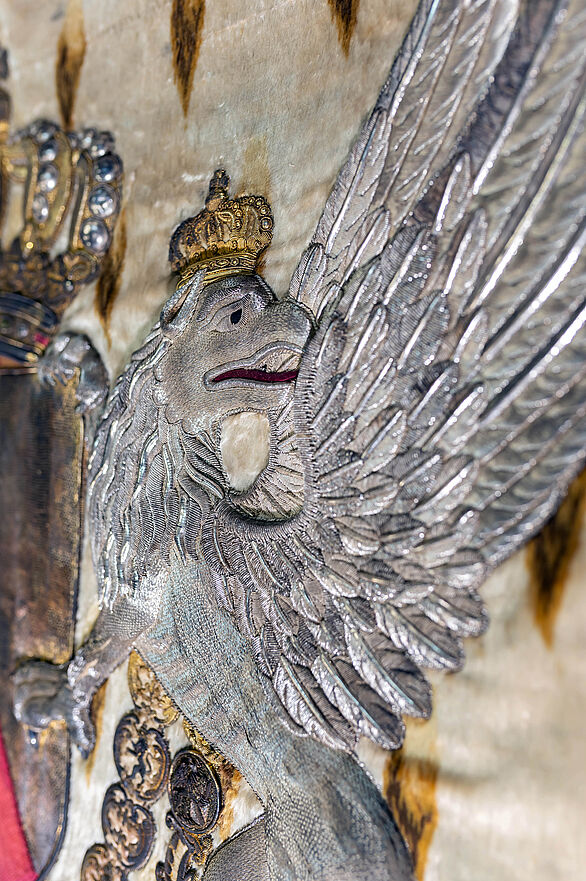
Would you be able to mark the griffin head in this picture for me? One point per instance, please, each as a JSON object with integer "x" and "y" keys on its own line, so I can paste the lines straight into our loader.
{"x": 224, "y": 346}
{"x": 235, "y": 347}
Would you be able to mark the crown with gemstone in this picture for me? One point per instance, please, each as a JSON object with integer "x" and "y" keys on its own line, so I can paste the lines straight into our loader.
{"x": 226, "y": 238}
{"x": 73, "y": 178}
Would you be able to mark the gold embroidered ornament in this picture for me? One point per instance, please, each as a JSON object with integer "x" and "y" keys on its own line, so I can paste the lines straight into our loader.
{"x": 226, "y": 238}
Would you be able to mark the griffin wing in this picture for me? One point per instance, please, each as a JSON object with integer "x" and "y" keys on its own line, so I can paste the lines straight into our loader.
{"x": 440, "y": 406}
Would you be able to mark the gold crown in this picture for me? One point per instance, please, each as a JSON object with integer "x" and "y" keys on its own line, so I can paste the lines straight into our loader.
{"x": 226, "y": 238}
{"x": 66, "y": 177}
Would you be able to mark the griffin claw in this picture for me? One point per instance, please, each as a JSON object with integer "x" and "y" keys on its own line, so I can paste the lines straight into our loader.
{"x": 42, "y": 695}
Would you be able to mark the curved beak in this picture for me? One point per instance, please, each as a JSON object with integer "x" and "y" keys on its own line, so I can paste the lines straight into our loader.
{"x": 287, "y": 327}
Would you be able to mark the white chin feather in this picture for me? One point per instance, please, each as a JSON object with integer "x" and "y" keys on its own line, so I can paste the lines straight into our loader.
{"x": 244, "y": 447}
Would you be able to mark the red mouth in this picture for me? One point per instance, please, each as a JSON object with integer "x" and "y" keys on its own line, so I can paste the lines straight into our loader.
{"x": 258, "y": 375}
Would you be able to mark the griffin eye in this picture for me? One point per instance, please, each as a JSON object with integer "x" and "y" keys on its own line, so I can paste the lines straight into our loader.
{"x": 235, "y": 316}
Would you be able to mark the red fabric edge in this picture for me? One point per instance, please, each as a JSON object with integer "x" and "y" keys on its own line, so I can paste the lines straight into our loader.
{"x": 15, "y": 860}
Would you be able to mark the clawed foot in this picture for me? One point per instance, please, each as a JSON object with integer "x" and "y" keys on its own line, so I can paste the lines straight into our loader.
{"x": 42, "y": 694}
{"x": 67, "y": 354}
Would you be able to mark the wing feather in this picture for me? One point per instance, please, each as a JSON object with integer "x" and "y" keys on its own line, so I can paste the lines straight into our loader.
{"x": 309, "y": 707}
{"x": 440, "y": 406}
{"x": 438, "y": 77}
{"x": 369, "y": 714}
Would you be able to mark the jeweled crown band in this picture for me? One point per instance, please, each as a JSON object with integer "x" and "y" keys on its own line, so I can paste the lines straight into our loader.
{"x": 219, "y": 267}
{"x": 70, "y": 178}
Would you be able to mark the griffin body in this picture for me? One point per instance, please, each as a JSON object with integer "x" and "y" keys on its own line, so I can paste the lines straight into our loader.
{"x": 151, "y": 493}
{"x": 155, "y": 478}
{"x": 423, "y": 388}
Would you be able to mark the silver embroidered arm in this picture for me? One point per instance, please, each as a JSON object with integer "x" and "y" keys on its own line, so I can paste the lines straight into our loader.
{"x": 70, "y": 355}
{"x": 45, "y": 692}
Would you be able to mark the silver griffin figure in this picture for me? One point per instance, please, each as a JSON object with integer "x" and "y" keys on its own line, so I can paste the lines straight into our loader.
{"x": 421, "y": 386}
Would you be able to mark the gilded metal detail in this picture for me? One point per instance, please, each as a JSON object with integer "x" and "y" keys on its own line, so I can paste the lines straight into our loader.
{"x": 226, "y": 238}
{"x": 142, "y": 758}
{"x": 186, "y": 854}
{"x": 147, "y": 692}
{"x": 141, "y": 755}
{"x": 194, "y": 792}
{"x": 129, "y": 828}
{"x": 210, "y": 754}
{"x": 98, "y": 865}
{"x": 195, "y": 795}
{"x": 73, "y": 177}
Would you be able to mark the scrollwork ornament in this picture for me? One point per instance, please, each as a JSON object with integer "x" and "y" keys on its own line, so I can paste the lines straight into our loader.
{"x": 186, "y": 866}
{"x": 142, "y": 758}
{"x": 129, "y": 828}
{"x": 100, "y": 864}
{"x": 194, "y": 793}
{"x": 148, "y": 693}
{"x": 195, "y": 796}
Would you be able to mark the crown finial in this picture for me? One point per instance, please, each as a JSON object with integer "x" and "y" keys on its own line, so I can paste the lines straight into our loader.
{"x": 226, "y": 238}
{"x": 218, "y": 189}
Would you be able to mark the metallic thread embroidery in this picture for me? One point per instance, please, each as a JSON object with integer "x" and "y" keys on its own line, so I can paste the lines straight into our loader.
{"x": 423, "y": 374}
{"x": 196, "y": 802}
{"x": 142, "y": 758}
{"x": 73, "y": 176}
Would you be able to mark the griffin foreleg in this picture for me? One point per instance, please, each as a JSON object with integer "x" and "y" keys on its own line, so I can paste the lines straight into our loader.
{"x": 70, "y": 354}
{"x": 45, "y": 692}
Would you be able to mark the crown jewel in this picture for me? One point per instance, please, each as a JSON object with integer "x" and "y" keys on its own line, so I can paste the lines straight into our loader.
{"x": 226, "y": 238}
{"x": 70, "y": 177}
